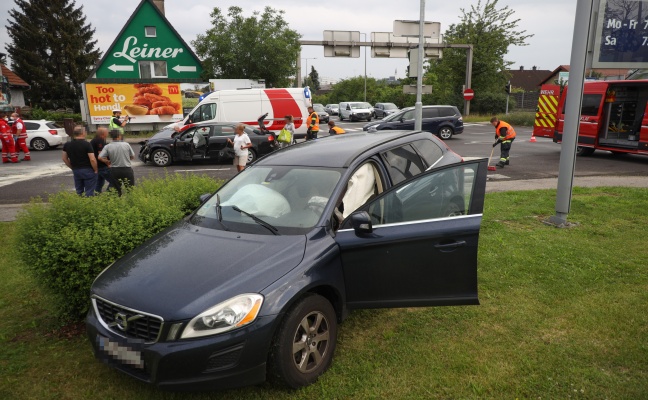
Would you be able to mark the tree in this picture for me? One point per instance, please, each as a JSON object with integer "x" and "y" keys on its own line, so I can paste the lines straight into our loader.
{"x": 491, "y": 31}
{"x": 258, "y": 47}
{"x": 52, "y": 49}
{"x": 314, "y": 78}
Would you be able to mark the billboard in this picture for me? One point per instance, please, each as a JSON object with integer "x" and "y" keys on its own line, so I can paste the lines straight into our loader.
{"x": 143, "y": 102}
{"x": 621, "y": 39}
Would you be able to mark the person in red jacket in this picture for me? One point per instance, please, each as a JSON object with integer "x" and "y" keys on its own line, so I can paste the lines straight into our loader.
{"x": 8, "y": 144}
{"x": 20, "y": 133}
{"x": 504, "y": 135}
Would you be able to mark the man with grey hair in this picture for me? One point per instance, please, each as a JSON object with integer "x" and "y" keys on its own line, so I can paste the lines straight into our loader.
{"x": 118, "y": 155}
{"x": 79, "y": 156}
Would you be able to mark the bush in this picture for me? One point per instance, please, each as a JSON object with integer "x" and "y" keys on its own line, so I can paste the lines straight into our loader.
{"x": 491, "y": 103}
{"x": 65, "y": 244}
{"x": 38, "y": 113}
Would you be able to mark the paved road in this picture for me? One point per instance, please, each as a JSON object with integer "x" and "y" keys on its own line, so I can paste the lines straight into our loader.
{"x": 533, "y": 165}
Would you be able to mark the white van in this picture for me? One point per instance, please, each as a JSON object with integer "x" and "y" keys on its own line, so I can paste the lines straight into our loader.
{"x": 247, "y": 105}
{"x": 355, "y": 111}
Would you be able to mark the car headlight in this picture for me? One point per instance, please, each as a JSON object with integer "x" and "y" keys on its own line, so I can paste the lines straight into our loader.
{"x": 230, "y": 314}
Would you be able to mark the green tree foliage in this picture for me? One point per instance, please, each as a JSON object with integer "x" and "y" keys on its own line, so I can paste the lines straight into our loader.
{"x": 258, "y": 47}
{"x": 491, "y": 31}
{"x": 314, "y": 79}
{"x": 52, "y": 49}
{"x": 378, "y": 91}
{"x": 69, "y": 241}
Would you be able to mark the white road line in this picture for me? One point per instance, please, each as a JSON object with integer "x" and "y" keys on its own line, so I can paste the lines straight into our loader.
{"x": 27, "y": 173}
{"x": 204, "y": 169}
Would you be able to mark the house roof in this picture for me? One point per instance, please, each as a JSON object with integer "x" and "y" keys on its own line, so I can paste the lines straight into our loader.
{"x": 13, "y": 79}
{"x": 603, "y": 71}
{"x": 527, "y": 79}
{"x": 91, "y": 78}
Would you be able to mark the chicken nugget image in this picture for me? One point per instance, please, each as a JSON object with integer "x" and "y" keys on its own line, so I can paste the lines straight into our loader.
{"x": 142, "y": 101}
{"x": 154, "y": 97}
{"x": 157, "y": 104}
{"x": 165, "y": 110}
{"x": 156, "y": 90}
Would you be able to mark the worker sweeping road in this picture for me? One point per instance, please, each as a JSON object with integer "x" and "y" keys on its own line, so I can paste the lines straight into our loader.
{"x": 504, "y": 135}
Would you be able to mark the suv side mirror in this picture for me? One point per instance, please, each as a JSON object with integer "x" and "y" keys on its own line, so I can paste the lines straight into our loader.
{"x": 361, "y": 223}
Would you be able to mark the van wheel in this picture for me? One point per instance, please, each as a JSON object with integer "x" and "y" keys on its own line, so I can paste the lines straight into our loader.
{"x": 445, "y": 133}
{"x": 584, "y": 151}
{"x": 341, "y": 117}
{"x": 305, "y": 342}
{"x": 369, "y": 119}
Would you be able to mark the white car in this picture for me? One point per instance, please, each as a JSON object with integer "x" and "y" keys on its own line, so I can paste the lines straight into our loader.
{"x": 43, "y": 134}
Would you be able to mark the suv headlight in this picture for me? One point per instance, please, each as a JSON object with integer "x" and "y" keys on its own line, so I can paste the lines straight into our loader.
{"x": 230, "y": 314}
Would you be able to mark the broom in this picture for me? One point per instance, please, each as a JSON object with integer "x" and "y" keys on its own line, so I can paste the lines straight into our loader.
{"x": 489, "y": 160}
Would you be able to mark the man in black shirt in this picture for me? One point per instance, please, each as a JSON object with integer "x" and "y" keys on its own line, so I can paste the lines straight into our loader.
{"x": 79, "y": 156}
{"x": 103, "y": 175}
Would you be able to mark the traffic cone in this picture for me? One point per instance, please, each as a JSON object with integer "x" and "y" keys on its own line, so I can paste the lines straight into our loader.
{"x": 533, "y": 139}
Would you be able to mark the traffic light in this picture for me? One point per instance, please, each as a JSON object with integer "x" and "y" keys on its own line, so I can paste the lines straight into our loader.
{"x": 507, "y": 88}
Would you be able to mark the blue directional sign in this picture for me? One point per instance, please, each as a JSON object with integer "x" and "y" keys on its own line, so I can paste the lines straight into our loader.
{"x": 621, "y": 39}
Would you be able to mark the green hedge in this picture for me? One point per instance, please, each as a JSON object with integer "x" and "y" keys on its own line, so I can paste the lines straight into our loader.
{"x": 67, "y": 242}
{"x": 38, "y": 113}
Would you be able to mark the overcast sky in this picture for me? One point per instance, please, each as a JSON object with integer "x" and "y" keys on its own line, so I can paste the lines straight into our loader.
{"x": 550, "y": 21}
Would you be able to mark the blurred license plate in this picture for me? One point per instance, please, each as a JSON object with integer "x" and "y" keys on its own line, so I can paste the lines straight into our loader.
{"x": 120, "y": 352}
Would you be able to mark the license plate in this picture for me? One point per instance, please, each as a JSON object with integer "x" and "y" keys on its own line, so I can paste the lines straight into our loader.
{"x": 120, "y": 353}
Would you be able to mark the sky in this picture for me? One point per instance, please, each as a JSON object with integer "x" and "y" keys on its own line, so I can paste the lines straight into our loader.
{"x": 550, "y": 21}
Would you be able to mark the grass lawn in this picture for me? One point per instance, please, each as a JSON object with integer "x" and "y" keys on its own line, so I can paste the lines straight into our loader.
{"x": 563, "y": 315}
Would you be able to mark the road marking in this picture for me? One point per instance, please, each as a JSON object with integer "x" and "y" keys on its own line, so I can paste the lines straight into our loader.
{"x": 204, "y": 169}
{"x": 27, "y": 173}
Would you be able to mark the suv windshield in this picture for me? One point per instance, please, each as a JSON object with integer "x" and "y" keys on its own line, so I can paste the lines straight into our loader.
{"x": 389, "y": 106}
{"x": 291, "y": 199}
{"x": 318, "y": 108}
{"x": 395, "y": 116}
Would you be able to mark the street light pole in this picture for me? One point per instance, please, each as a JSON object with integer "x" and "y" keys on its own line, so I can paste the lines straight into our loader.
{"x": 365, "y": 67}
{"x": 309, "y": 58}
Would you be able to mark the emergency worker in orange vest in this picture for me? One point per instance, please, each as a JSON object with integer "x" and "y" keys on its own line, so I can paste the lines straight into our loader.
{"x": 312, "y": 122}
{"x": 8, "y": 144}
{"x": 335, "y": 130}
{"x": 505, "y": 135}
{"x": 19, "y": 131}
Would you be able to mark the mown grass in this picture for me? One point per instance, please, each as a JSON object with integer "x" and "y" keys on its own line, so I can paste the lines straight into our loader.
{"x": 563, "y": 315}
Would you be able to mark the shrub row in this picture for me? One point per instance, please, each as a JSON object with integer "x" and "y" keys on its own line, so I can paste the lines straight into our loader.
{"x": 67, "y": 242}
{"x": 38, "y": 113}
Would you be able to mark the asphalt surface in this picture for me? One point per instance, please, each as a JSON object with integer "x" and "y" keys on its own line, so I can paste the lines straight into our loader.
{"x": 534, "y": 166}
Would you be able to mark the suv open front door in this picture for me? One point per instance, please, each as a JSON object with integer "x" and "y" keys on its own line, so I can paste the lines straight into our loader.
{"x": 419, "y": 244}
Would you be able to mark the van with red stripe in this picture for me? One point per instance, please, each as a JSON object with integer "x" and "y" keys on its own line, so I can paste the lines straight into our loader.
{"x": 247, "y": 105}
{"x": 613, "y": 117}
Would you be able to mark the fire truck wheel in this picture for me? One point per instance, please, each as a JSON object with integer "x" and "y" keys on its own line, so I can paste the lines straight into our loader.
{"x": 584, "y": 151}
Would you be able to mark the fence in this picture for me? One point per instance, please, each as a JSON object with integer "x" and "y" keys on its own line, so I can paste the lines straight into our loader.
{"x": 526, "y": 101}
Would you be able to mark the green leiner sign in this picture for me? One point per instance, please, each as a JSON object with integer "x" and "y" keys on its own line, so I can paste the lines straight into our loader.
{"x": 149, "y": 48}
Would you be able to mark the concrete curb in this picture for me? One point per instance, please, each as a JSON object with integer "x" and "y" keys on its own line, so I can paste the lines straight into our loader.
{"x": 8, "y": 212}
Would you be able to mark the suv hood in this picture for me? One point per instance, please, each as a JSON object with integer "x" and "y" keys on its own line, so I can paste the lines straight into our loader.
{"x": 186, "y": 269}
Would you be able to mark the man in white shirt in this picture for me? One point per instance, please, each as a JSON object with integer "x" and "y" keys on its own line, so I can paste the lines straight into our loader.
{"x": 241, "y": 145}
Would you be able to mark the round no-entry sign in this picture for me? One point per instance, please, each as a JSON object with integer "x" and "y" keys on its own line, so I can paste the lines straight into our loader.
{"x": 469, "y": 94}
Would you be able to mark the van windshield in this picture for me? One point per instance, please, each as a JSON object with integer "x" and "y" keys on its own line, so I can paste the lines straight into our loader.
{"x": 358, "y": 106}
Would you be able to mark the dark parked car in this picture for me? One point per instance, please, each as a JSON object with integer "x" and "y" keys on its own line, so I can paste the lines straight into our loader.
{"x": 443, "y": 121}
{"x": 321, "y": 113}
{"x": 381, "y": 110}
{"x": 254, "y": 283}
{"x": 201, "y": 141}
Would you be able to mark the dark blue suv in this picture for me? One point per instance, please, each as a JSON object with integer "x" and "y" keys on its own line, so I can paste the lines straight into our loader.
{"x": 443, "y": 121}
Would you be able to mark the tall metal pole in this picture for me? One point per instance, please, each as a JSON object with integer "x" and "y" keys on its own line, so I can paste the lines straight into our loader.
{"x": 365, "y": 67}
{"x": 418, "y": 113}
{"x": 573, "y": 104}
{"x": 469, "y": 57}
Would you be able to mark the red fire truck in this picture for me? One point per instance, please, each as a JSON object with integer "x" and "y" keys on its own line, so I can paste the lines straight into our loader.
{"x": 613, "y": 116}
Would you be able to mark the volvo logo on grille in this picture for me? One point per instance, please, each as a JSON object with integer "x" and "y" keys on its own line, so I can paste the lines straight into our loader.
{"x": 122, "y": 320}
